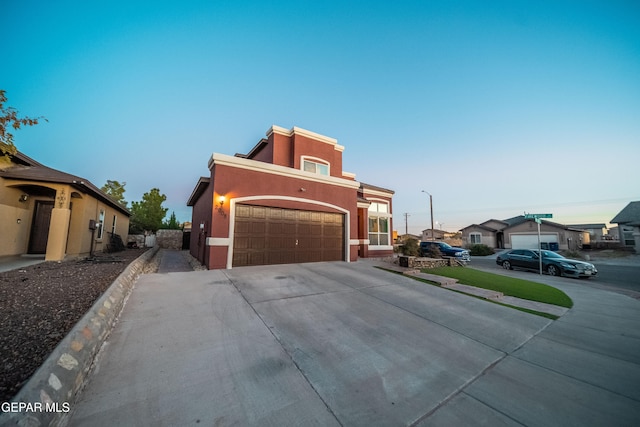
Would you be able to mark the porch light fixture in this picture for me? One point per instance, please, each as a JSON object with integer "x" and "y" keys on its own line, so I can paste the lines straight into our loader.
{"x": 221, "y": 201}
{"x": 23, "y": 198}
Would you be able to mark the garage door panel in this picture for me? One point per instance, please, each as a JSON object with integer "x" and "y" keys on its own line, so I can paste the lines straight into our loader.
{"x": 268, "y": 235}
{"x": 530, "y": 241}
{"x": 241, "y": 243}
{"x": 257, "y": 243}
{"x": 316, "y": 230}
{"x": 243, "y": 211}
{"x": 256, "y": 258}
{"x": 243, "y": 227}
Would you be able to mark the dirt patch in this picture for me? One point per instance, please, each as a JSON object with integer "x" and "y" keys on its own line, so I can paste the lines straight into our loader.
{"x": 40, "y": 304}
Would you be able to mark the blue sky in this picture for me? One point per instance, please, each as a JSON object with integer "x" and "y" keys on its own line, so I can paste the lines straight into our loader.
{"x": 495, "y": 108}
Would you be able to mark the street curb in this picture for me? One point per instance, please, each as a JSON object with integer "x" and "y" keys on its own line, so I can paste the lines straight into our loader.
{"x": 46, "y": 398}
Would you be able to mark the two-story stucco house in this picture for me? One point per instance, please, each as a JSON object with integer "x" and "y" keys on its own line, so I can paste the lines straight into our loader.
{"x": 287, "y": 201}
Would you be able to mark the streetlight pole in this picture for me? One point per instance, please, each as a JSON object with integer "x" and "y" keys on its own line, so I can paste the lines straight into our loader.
{"x": 431, "y": 208}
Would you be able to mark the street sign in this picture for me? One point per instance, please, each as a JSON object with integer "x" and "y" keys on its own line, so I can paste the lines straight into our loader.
{"x": 537, "y": 218}
{"x": 534, "y": 216}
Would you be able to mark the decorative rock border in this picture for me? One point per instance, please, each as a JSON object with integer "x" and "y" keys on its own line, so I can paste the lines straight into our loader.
{"x": 46, "y": 398}
{"x": 423, "y": 262}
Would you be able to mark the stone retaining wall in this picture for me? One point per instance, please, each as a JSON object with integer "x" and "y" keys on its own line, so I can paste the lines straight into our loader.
{"x": 51, "y": 391}
{"x": 422, "y": 262}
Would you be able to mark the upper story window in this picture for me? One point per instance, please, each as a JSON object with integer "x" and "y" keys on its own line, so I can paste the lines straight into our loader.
{"x": 379, "y": 207}
{"x": 379, "y": 230}
{"x": 315, "y": 166}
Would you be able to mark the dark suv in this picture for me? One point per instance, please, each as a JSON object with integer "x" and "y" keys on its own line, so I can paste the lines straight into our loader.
{"x": 445, "y": 249}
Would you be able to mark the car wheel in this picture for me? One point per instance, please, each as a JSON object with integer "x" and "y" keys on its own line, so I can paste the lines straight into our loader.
{"x": 553, "y": 270}
{"x": 507, "y": 265}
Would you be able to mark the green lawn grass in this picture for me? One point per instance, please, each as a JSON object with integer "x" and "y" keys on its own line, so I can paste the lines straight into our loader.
{"x": 510, "y": 286}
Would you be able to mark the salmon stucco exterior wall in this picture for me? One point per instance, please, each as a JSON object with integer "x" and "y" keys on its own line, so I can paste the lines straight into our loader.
{"x": 278, "y": 174}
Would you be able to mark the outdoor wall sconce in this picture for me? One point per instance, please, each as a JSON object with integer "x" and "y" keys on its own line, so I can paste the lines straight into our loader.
{"x": 221, "y": 201}
{"x": 23, "y": 198}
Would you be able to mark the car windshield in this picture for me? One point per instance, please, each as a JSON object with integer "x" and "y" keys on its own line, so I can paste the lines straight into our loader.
{"x": 550, "y": 254}
{"x": 445, "y": 245}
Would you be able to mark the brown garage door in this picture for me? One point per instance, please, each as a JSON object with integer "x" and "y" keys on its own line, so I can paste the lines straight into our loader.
{"x": 268, "y": 235}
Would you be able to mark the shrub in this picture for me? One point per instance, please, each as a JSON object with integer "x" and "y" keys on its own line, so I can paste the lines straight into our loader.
{"x": 480, "y": 250}
{"x": 433, "y": 252}
{"x": 572, "y": 254}
{"x": 410, "y": 247}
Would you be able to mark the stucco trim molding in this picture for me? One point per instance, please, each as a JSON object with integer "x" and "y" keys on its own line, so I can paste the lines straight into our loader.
{"x": 379, "y": 193}
{"x": 381, "y": 248}
{"x": 232, "y": 220}
{"x": 307, "y": 133}
{"x": 356, "y": 242}
{"x": 218, "y": 241}
{"x": 254, "y": 165}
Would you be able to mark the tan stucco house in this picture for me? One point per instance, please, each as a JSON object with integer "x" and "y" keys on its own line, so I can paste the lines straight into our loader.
{"x": 628, "y": 220}
{"x": 49, "y": 212}
{"x": 522, "y": 233}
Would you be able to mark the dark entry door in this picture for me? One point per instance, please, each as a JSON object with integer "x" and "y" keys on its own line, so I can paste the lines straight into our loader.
{"x": 270, "y": 235}
{"x": 40, "y": 227}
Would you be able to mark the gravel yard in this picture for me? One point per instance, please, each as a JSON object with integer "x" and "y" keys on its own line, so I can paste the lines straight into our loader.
{"x": 40, "y": 304}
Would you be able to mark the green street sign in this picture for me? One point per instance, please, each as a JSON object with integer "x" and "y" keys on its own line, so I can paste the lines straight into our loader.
{"x": 536, "y": 216}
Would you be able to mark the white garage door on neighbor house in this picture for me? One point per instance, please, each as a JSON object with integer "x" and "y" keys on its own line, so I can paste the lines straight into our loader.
{"x": 530, "y": 241}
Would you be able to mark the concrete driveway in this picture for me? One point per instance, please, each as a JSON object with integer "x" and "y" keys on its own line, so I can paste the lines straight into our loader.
{"x": 348, "y": 344}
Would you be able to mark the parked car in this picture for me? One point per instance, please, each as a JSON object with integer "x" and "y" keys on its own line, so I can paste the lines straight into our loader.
{"x": 445, "y": 249}
{"x": 552, "y": 263}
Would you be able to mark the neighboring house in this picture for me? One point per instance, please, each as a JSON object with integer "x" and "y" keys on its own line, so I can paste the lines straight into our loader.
{"x": 488, "y": 233}
{"x": 429, "y": 235}
{"x": 628, "y": 220}
{"x": 287, "y": 201}
{"x": 402, "y": 238}
{"x": 45, "y": 211}
{"x": 613, "y": 234}
{"x": 519, "y": 232}
{"x": 596, "y": 231}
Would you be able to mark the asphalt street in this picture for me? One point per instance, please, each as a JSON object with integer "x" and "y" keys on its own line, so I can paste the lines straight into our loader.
{"x": 621, "y": 276}
{"x": 348, "y": 344}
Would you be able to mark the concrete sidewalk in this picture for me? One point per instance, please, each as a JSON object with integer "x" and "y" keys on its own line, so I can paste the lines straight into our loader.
{"x": 349, "y": 344}
{"x": 173, "y": 261}
{"x": 15, "y": 262}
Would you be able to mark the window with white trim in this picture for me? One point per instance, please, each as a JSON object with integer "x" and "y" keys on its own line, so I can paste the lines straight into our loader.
{"x": 379, "y": 218}
{"x": 314, "y": 166}
{"x": 113, "y": 226}
{"x": 475, "y": 238}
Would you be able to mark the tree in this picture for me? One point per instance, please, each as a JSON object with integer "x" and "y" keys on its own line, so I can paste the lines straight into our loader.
{"x": 172, "y": 223}
{"x": 9, "y": 119}
{"x": 147, "y": 215}
{"x": 115, "y": 190}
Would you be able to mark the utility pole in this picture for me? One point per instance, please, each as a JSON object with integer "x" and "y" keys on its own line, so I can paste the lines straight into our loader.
{"x": 431, "y": 207}
{"x": 406, "y": 223}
